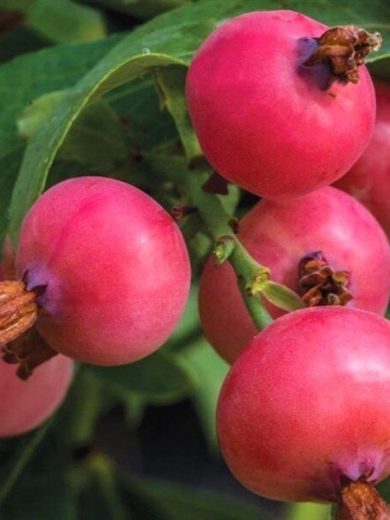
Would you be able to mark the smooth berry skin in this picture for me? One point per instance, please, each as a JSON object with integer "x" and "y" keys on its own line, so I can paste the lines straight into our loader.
{"x": 267, "y": 122}
{"x": 24, "y": 405}
{"x": 308, "y": 403}
{"x": 115, "y": 268}
{"x": 369, "y": 178}
{"x": 279, "y": 234}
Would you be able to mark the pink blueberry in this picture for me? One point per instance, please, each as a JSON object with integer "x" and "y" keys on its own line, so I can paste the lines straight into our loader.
{"x": 279, "y": 234}
{"x": 306, "y": 407}
{"x": 264, "y": 119}
{"x": 114, "y": 266}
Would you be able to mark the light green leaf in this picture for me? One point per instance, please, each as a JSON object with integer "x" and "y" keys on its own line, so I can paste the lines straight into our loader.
{"x": 171, "y": 83}
{"x": 281, "y": 296}
{"x": 38, "y": 113}
{"x": 309, "y": 511}
{"x": 60, "y": 20}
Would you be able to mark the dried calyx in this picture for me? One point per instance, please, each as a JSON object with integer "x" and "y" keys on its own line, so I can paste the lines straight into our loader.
{"x": 20, "y": 342}
{"x": 320, "y": 284}
{"x": 344, "y": 50}
{"x": 28, "y": 352}
{"x": 18, "y": 310}
{"x": 360, "y": 501}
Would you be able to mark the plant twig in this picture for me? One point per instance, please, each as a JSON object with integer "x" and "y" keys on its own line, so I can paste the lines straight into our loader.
{"x": 216, "y": 221}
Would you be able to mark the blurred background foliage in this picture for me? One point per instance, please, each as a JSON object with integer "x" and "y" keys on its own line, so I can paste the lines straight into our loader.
{"x": 91, "y": 86}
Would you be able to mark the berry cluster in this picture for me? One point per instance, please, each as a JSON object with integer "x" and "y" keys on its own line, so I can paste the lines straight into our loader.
{"x": 102, "y": 275}
{"x": 283, "y": 107}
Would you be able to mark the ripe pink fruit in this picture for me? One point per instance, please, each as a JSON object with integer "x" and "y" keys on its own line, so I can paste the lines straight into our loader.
{"x": 24, "y": 405}
{"x": 369, "y": 178}
{"x": 266, "y": 121}
{"x": 114, "y": 266}
{"x": 308, "y": 405}
{"x": 279, "y": 234}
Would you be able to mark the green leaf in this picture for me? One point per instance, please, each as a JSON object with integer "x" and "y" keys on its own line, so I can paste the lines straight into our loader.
{"x": 97, "y": 140}
{"x": 109, "y": 503}
{"x": 171, "y": 82}
{"x": 18, "y": 41}
{"x": 45, "y": 143}
{"x": 20, "y": 459}
{"x": 188, "y": 327}
{"x": 281, "y": 296}
{"x": 85, "y": 403}
{"x": 178, "y": 502}
{"x": 142, "y": 9}
{"x": 138, "y": 105}
{"x": 211, "y": 371}
{"x": 169, "y": 39}
{"x": 60, "y": 20}
{"x": 41, "y": 497}
{"x": 309, "y": 511}
{"x": 42, "y": 72}
{"x": 160, "y": 378}
{"x": 38, "y": 113}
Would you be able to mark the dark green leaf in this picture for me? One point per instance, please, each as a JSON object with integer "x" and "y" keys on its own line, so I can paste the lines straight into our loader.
{"x": 97, "y": 140}
{"x": 211, "y": 371}
{"x": 178, "y": 503}
{"x": 142, "y": 9}
{"x": 25, "y": 449}
{"x": 41, "y": 497}
{"x": 159, "y": 378}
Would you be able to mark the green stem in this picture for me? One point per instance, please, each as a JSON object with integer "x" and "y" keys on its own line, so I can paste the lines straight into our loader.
{"x": 217, "y": 224}
{"x": 85, "y": 410}
{"x": 104, "y": 472}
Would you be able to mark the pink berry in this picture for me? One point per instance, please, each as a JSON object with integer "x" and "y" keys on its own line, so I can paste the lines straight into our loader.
{"x": 279, "y": 234}
{"x": 307, "y": 405}
{"x": 265, "y": 119}
{"x": 113, "y": 267}
{"x": 24, "y": 405}
{"x": 369, "y": 178}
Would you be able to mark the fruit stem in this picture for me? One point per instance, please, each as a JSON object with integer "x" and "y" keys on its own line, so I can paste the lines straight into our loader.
{"x": 217, "y": 224}
{"x": 361, "y": 501}
{"x": 344, "y": 50}
{"x": 105, "y": 473}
